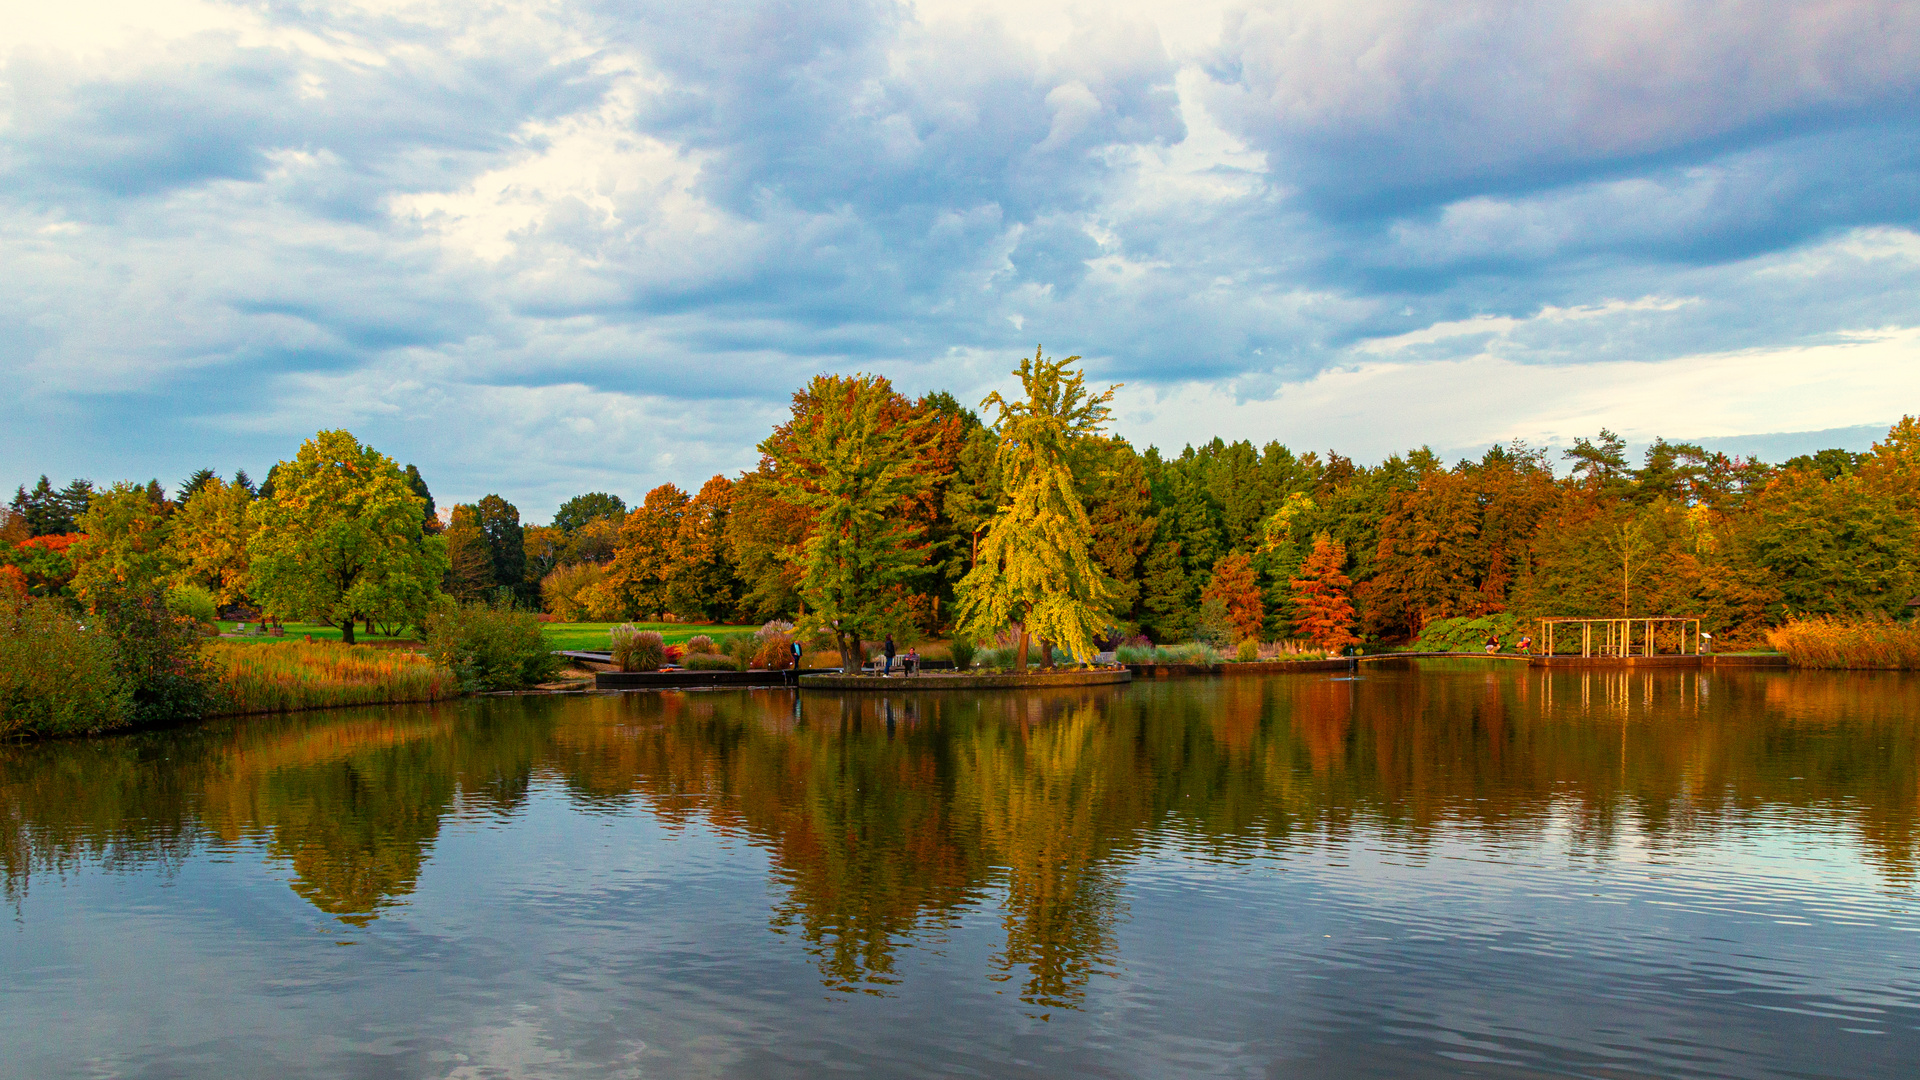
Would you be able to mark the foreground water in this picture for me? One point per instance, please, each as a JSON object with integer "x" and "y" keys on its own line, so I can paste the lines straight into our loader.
{"x": 1435, "y": 871}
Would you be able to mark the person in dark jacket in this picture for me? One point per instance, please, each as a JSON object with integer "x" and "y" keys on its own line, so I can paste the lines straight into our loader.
{"x": 888, "y": 649}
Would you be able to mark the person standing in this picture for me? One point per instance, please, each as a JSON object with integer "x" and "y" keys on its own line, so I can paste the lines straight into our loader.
{"x": 793, "y": 647}
{"x": 888, "y": 649}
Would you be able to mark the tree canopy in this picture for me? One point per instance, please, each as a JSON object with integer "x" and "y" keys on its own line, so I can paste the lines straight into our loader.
{"x": 341, "y": 538}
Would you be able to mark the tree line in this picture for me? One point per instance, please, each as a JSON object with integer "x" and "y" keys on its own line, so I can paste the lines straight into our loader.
{"x": 872, "y": 512}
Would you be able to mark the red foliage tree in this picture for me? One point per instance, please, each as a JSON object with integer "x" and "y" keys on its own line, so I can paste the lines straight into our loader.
{"x": 1235, "y": 585}
{"x": 1321, "y": 607}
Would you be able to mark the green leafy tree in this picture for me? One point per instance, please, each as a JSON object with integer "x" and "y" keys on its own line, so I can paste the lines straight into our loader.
{"x": 209, "y": 539}
{"x": 125, "y": 544}
{"x": 506, "y": 545}
{"x": 1036, "y": 566}
{"x": 469, "y": 556}
{"x": 577, "y": 512}
{"x": 852, "y": 460}
{"x": 342, "y": 538}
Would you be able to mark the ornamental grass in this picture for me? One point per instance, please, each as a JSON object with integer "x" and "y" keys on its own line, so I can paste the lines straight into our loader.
{"x": 1829, "y": 642}
{"x": 261, "y": 678}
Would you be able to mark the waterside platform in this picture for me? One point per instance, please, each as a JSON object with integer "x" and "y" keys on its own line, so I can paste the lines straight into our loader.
{"x": 674, "y": 680}
{"x": 935, "y": 681}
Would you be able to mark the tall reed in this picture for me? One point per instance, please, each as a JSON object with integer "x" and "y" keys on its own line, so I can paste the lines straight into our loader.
{"x": 1829, "y": 642}
{"x": 279, "y": 677}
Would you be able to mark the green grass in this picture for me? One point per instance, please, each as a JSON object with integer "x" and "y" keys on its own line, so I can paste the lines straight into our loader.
{"x": 593, "y": 635}
{"x": 583, "y": 635}
{"x": 297, "y": 631}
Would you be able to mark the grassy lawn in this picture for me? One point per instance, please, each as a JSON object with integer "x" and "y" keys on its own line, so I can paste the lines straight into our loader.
{"x": 299, "y": 631}
{"x": 593, "y": 635}
{"x": 586, "y": 635}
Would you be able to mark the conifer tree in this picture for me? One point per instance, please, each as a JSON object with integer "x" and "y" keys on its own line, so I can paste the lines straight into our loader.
{"x": 1235, "y": 586}
{"x": 1036, "y": 567}
{"x": 1321, "y": 607}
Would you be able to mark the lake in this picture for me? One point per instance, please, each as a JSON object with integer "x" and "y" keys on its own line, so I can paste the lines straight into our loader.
{"x": 1431, "y": 869}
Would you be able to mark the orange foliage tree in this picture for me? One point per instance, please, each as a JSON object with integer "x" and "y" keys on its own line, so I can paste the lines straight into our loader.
{"x": 1321, "y": 607}
{"x": 1235, "y": 585}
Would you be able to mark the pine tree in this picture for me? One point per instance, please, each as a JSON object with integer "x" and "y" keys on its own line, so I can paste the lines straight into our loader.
{"x": 1036, "y": 567}
{"x": 1320, "y": 602}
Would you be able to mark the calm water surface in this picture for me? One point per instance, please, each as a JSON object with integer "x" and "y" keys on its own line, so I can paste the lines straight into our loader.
{"x": 1434, "y": 871}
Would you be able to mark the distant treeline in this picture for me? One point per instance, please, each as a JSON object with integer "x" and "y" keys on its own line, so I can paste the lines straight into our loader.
{"x": 1740, "y": 543}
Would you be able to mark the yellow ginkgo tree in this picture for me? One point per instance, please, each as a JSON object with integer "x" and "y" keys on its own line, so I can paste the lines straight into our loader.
{"x": 1035, "y": 568}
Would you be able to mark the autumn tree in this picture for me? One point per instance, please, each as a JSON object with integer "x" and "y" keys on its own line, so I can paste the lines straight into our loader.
{"x": 701, "y": 579}
{"x": 1235, "y": 586}
{"x": 1036, "y": 568}
{"x": 469, "y": 556}
{"x": 644, "y": 559}
{"x": 124, "y": 543}
{"x": 341, "y": 539}
{"x": 210, "y": 534}
{"x": 853, "y": 461}
{"x": 1321, "y": 607}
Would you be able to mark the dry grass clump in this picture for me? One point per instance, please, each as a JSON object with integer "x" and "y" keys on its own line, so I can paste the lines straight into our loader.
{"x": 635, "y": 649}
{"x": 259, "y": 678}
{"x": 700, "y": 643}
{"x": 1829, "y": 642}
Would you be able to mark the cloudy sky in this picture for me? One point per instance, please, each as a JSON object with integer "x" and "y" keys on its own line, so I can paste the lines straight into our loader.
{"x": 546, "y": 246}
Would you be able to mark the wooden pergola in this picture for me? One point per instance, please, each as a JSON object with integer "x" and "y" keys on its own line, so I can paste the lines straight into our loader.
{"x": 1617, "y": 637}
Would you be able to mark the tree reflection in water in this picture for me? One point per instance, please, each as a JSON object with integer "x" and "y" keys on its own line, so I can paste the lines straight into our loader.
{"x": 889, "y": 818}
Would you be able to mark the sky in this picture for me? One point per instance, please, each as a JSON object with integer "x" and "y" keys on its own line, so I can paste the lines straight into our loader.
{"x": 547, "y": 247}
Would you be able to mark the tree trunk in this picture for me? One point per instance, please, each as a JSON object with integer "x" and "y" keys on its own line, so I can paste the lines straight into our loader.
{"x": 850, "y": 658}
{"x": 369, "y": 626}
{"x": 346, "y": 630}
{"x": 1020, "y": 658}
{"x": 1046, "y": 654}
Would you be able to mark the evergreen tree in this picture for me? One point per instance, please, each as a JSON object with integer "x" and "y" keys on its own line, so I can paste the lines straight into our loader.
{"x": 1036, "y": 568}
{"x": 469, "y": 556}
{"x": 506, "y": 545}
{"x": 191, "y": 486}
{"x": 429, "y": 513}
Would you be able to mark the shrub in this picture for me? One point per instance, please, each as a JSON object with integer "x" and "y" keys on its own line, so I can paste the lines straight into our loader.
{"x": 57, "y": 677}
{"x": 673, "y": 654}
{"x": 1468, "y": 635}
{"x": 1830, "y": 642}
{"x": 157, "y": 653}
{"x": 1214, "y": 626}
{"x": 261, "y": 677}
{"x": 491, "y": 648}
{"x": 962, "y": 652}
{"x": 710, "y": 662}
{"x": 1248, "y": 652}
{"x": 193, "y": 602}
{"x": 775, "y": 651}
{"x": 635, "y": 649}
{"x": 700, "y": 643}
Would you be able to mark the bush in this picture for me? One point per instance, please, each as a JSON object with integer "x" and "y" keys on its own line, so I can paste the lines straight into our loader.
{"x": 710, "y": 662}
{"x": 775, "y": 651}
{"x": 56, "y": 676}
{"x": 491, "y": 648}
{"x": 193, "y": 602}
{"x": 673, "y": 654}
{"x": 1829, "y": 642}
{"x": 1248, "y": 652}
{"x": 262, "y": 677}
{"x": 1468, "y": 635}
{"x": 700, "y": 643}
{"x": 635, "y": 649}
{"x": 158, "y": 654}
{"x": 1214, "y": 627}
{"x": 962, "y": 652}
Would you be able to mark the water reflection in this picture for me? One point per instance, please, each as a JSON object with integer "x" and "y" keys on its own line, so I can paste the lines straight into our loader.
{"x": 890, "y": 821}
